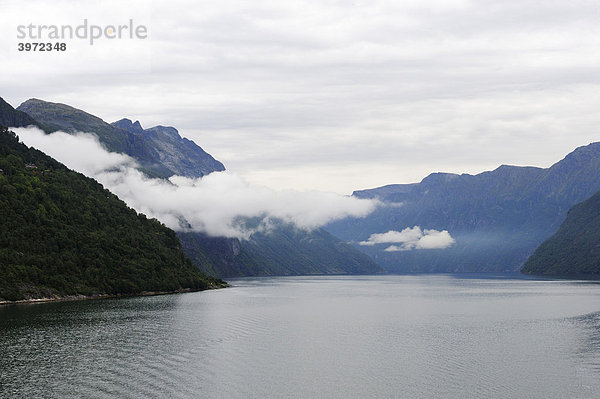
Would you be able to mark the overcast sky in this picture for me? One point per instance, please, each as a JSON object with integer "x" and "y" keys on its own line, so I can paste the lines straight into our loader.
{"x": 331, "y": 95}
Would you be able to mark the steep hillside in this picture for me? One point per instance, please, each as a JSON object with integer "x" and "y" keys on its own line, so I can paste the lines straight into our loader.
{"x": 575, "y": 248}
{"x": 62, "y": 233}
{"x": 286, "y": 251}
{"x": 13, "y": 118}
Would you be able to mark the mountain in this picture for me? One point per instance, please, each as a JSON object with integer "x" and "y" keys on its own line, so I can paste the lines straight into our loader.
{"x": 160, "y": 151}
{"x": 178, "y": 154}
{"x": 63, "y": 117}
{"x": 62, "y": 233}
{"x": 497, "y": 218}
{"x": 285, "y": 251}
{"x": 11, "y": 117}
{"x": 575, "y": 248}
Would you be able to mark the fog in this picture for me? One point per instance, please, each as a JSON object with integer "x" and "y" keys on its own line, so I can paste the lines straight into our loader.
{"x": 219, "y": 204}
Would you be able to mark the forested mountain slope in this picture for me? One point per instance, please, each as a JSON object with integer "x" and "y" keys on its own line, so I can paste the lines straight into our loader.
{"x": 62, "y": 233}
{"x": 575, "y": 248}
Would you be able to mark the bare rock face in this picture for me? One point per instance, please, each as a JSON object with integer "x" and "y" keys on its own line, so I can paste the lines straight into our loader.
{"x": 178, "y": 154}
{"x": 160, "y": 151}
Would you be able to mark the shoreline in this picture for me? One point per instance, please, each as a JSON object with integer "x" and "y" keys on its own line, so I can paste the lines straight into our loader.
{"x": 70, "y": 298}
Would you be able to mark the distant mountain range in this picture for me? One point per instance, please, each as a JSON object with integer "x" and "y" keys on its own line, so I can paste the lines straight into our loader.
{"x": 162, "y": 152}
{"x": 497, "y": 218}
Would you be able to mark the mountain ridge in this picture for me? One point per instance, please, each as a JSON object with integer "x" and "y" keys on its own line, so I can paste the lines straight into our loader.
{"x": 9, "y": 116}
{"x": 497, "y": 217}
{"x": 178, "y": 154}
{"x": 133, "y": 142}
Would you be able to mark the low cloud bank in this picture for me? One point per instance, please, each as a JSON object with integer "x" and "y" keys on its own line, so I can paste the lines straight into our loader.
{"x": 411, "y": 238}
{"x": 220, "y": 204}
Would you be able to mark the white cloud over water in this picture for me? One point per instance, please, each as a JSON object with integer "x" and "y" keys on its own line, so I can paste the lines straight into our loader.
{"x": 219, "y": 204}
{"x": 411, "y": 238}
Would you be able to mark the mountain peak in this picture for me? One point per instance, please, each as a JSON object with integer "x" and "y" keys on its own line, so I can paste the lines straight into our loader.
{"x": 127, "y": 124}
{"x": 167, "y": 131}
{"x": 33, "y": 100}
{"x": 580, "y": 155}
{"x": 160, "y": 150}
{"x": 439, "y": 178}
{"x": 505, "y": 167}
{"x": 37, "y": 105}
{"x": 11, "y": 117}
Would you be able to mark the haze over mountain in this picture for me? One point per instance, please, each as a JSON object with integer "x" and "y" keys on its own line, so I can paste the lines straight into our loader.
{"x": 284, "y": 251}
{"x": 496, "y": 218}
{"x": 273, "y": 248}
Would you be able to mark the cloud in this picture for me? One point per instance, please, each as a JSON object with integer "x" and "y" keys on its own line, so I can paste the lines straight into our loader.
{"x": 220, "y": 204}
{"x": 411, "y": 238}
{"x": 344, "y": 95}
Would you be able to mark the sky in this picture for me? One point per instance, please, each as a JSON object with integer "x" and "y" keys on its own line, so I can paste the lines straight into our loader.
{"x": 329, "y": 95}
{"x": 221, "y": 204}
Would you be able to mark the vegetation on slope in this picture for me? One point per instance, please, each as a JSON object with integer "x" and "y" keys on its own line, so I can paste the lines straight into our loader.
{"x": 285, "y": 251}
{"x": 575, "y": 248}
{"x": 62, "y": 233}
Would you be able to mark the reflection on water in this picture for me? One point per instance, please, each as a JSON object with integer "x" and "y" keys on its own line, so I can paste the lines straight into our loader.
{"x": 588, "y": 326}
{"x": 383, "y": 336}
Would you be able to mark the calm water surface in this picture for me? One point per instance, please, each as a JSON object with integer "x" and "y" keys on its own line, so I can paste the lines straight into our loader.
{"x": 322, "y": 337}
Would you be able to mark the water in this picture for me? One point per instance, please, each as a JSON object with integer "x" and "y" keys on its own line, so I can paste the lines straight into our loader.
{"x": 322, "y": 337}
